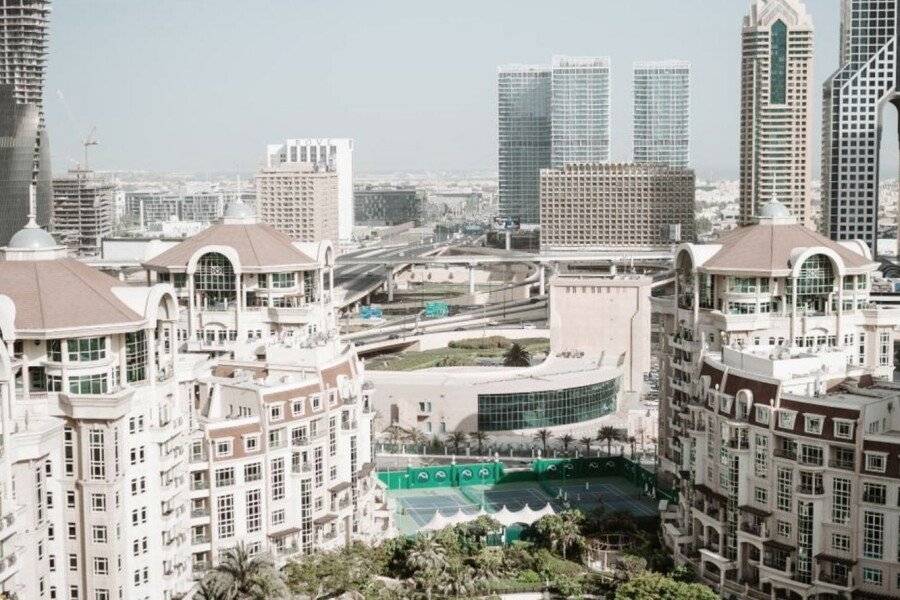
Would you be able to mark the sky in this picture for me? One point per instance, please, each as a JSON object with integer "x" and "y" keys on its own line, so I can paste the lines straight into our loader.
{"x": 203, "y": 85}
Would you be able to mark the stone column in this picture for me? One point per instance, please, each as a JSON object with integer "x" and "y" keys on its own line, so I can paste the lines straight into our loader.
{"x": 389, "y": 282}
{"x": 793, "y": 309}
{"x": 542, "y": 279}
{"x": 192, "y": 319}
{"x": 151, "y": 353}
{"x": 471, "y": 278}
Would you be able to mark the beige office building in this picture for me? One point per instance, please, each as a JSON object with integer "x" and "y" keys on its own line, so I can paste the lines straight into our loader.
{"x": 300, "y": 200}
{"x": 776, "y": 83}
{"x": 83, "y": 210}
{"x": 616, "y": 206}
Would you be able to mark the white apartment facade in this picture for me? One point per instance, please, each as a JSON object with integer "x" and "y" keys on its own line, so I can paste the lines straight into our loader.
{"x": 778, "y": 421}
{"x": 332, "y": 154}
{"x": 776, "y": 95}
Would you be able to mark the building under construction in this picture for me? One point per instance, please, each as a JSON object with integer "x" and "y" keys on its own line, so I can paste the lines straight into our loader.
{"x": 83, "y": 210}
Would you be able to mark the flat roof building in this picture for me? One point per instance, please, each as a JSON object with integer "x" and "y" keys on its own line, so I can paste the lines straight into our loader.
{"x": 300, "y": 200}
{"x": 376, "y": 206}
{"x": 616, "y": 206}
{"x": 83, "y": 210}
{"x": 662, "y": 99}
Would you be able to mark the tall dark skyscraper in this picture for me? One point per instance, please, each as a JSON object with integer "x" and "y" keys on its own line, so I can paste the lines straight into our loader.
{"x": 855, "y": 97}
{"x": 24, "y": 147}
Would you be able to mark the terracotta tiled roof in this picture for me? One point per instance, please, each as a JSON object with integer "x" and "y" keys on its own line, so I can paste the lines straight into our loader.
{"x": 62, "y": 294}
{"x": 768, "y": 247}
{"x": 257, "y": 245}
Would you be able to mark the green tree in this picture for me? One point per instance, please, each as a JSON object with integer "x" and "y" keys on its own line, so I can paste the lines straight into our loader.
{"x": 586, "y": 442}
{"x": 325, "y": 574}
{"x": 212, "y": 587}
{"x": 609, "y": 435}
{"x": 653, "y": 586}
{"x": 456, "y": 439}
{"x": 543, "y": 436}
{"x": 517, "y": 356}
{"x": 480, "y": 438}
{"x": 566, "y": 441}
{"x": 249, "y": 577}
{"x": 427, "y": 560}
{"x": 561, "y": 532}
{"x": 632, "y": 441}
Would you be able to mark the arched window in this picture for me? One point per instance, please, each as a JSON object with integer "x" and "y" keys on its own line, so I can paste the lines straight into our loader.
{"x": 214, "y": 280}
{"x": 815, "y": 283}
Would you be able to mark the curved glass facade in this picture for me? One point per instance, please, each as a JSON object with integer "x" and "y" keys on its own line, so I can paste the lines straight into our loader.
{"x": 550, "y": 408}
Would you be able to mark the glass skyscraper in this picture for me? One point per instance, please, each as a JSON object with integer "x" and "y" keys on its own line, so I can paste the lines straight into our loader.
{"x": 523, "y": 102}
{"x": 25, "y": 151}
{"x": 854, "y": 97}
{"x": 580, "y": 110}
{"x": 662, "y": 112}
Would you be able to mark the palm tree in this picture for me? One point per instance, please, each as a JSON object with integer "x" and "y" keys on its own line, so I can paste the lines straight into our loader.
{"x": 456, "y": 438}
{"x": 249, "y": 577}
{"x": 569, "y": 530}
{"x": 609, "y": 435}
{"x": 427, "y": 559}
{"x": 211, "y": 587}
{"x": 543, "y": 436}
{"x": 586, "y": 441}
{"x": 566, "y": 441}
{"x": 480, "y": 438}
{"x": 416, "y": 437}
{"x": 516, "y": 356}
{"x": 632, "y": 440}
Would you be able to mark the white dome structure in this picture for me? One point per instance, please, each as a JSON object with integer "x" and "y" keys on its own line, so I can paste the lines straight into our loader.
{"x": 32, "y": 237}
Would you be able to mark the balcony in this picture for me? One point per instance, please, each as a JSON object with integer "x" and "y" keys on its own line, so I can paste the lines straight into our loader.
{"x": 779, "y": 563}
{"x": 754, "y": 529}
{"x": 200, "y": 539}
{"x": 299, "y": 441}
{"x": 847, "y": 465}
{"x": 812, "y": 489}
{"x": 787, "y": 453}
{"x": 810, "y": 461}
{"x": 199, "y": 485}
{"x": 301, "y": 468}
{"x": 836, "y": 579}
{"x": 198, "y": 513}
{"x": 739, "y": 444}
{"x": 110, "y": 406}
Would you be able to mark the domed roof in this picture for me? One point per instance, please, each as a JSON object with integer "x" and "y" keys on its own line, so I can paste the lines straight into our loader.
{"x": 238, "y": 210}
{"x": 32, "y": 237}
{"x": 774, "y": 209}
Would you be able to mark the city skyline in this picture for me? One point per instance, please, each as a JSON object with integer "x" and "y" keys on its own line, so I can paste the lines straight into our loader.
{"x": 173, "y": 90}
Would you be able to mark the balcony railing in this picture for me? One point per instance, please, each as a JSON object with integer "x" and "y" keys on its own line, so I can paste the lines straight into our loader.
{"x": 788, "y": 453}
{"x": 199, "y": 485}
{"x": 840, "y": 579}
{"x": 200, "y": 539}
{"x": 301, "y": 468}
{"x": 814, "y": 489}
{"x": 847, "y": 465}
{"x": 199, "y": 512}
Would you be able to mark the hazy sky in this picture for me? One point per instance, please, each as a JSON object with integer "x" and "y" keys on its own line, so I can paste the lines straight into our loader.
{"x": 203, "y": 85}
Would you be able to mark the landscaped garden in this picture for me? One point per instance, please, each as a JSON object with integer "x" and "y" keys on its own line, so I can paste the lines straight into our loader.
{"x": 467, "y": 352}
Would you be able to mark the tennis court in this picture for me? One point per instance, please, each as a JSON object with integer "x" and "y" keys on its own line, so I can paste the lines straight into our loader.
{"x": 416, "y": 507}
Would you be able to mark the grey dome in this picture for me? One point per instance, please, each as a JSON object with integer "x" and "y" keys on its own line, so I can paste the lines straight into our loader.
{"x": 32, "y": 237}
{"x": 774, "y": 209}
{"x": 238, "y": 210}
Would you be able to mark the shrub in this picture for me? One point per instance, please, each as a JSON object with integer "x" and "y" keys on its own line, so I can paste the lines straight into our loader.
{"x": 529, "y": 576}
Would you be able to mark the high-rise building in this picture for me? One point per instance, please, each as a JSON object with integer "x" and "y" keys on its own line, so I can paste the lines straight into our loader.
{"x": 523, "y": 106}
{"x": 617, "y": 205}
{"x": 331, "y": 154}
{"x": 854, "y": 97}
{"x": 778, "y": 420}
{"x": 148, "y": 208}
{"x": 83, "y": 210}
{"x": 662, "y": 100}
{"x": 776, "y": 124}
{"x": 579, "y": 108}
{"x": 25, "y": 153}
{"x": 300, "y": 200}
{"x": 388, "y": 205}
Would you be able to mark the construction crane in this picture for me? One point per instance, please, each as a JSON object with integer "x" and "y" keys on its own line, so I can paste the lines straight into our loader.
{"x": 89, "y": 140}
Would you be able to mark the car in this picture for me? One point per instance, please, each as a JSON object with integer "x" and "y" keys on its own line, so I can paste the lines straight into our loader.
{"x": 493, "y": 322}
{"x": 528, "y": 326}
{"x": 394, "y": 336}
{"x": 460, "y": 329}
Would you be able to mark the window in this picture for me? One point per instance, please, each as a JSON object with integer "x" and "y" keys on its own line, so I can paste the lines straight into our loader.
{"x": 811, "y": 455}
{"x": 282, "y": 280}
{"x": 98, "y": 534}
{"x": 874, "y": 493}
{"x": 215, "y": 281}
{"x": 786, "y": 418}
{"x": 96, "y": 440}
{"x": 277, "y": 478}
{"x": 251, "y": 443}
{"x": 873, "y": 534}
{"x": 252, "y": 472}
{"x": 254, "y": 521}
{"x": 843, "y": 430}
{"x": 101, "y": 594}
{"x": 762, "y": 414}
{"x": 784, "y": 496}
{"x": 813, "y": 424}
{"x": 876, "y": 462}
{"x": 98, "y": 502}
{"x": 225, "y": 518}
{"x": 101, "y": 565}
{"x": 526, "y": 410}
{"x": 297, "y": 408}
{"x": 871, "y": 576}
{"x": 223, "y": 448}
{"x": 761, "y": 495}
{"x": 73, "y": 562}
{"x": 840, "y": 542}
{"x": 885, "y": 348}
{"x": 276, "y": 412}
{"x": 88, "y": 384}
{"x": 70, "y": 499}
{"x": 87, "y": 349}
{"x": 278, "y": 517}
{"x": 784, "y": 528}
{"x": 840, "y": 500}
{"x": 225, "y": 477}
{"x": 136, "y": 356}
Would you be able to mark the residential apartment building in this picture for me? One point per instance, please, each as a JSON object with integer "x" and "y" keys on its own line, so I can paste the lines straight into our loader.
{"x": 150, "y": 208}
{"x": 133, "y": 458}
{"x": 300, "y": 200}
{"x": 662, "y": 100}
{"x": 854, "y": 97}
{"x": 616, "y": 205}
{"x": 83, "y": 210}
{"x": 331, "y": 154}
{"x": 388, "y": 205}
{"x": 579, "y": 110}
{"x": 25, "y": 154}
{"x": 776, "y": 123}
{"x": 778, "y": 424}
